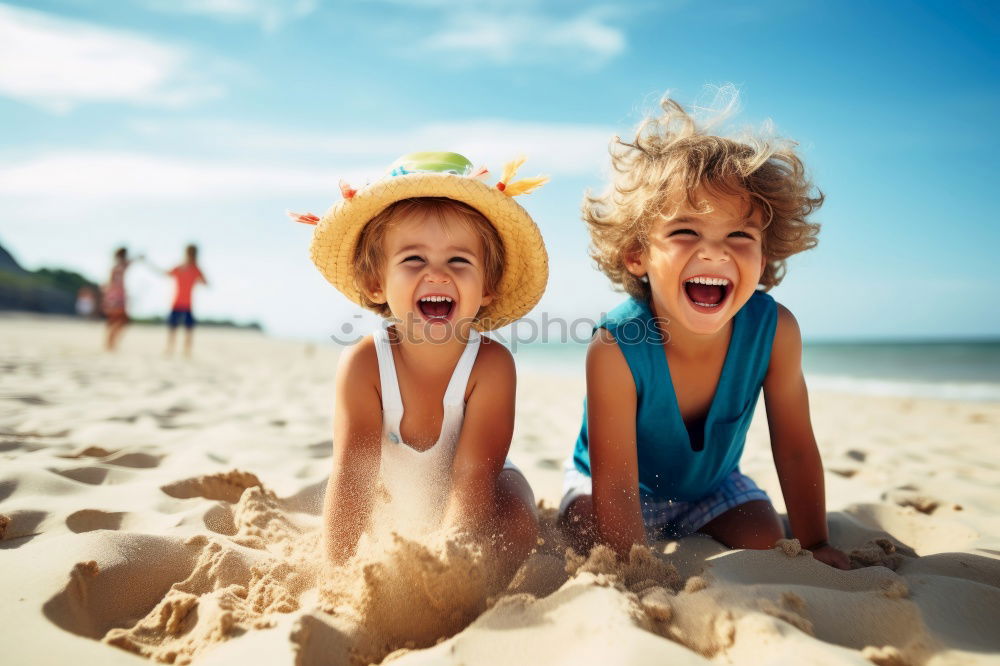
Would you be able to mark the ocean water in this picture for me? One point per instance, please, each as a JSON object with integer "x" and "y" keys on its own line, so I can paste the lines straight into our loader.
{"x": 949, "y": 369}
{"x": 958, "y": 370}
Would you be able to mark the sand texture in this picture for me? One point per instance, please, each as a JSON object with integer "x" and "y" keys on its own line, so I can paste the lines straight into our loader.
{"x": 168, "y": 510}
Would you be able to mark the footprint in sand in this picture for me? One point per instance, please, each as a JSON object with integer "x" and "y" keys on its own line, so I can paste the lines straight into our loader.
{"x": 88, "y": 520}
{"x": 135, "y": 459}
{"x": 27, "y": 399}
{"x": 116, "y": 457}
{"x": 18, "y": 523}
{"x": 226, "y": 486}
{"x": 7, "y": 488}
{"x": 321, "y": 449}
{"x": 89, "y": 452}
{"x": 876, "y": 553}
{"x": 14, "y": 445}
{"x": 111, "y": 591}
{"x": 93, "y": 476}
{"x": 908, "y": 498}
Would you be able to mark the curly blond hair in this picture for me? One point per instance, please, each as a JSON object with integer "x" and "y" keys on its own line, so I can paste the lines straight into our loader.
{"x": 671, "y": 157}
{"x": 369, "y": 255}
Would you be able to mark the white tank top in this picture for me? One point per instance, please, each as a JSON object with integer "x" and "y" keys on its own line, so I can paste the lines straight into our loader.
{"x": 418, "y": 482}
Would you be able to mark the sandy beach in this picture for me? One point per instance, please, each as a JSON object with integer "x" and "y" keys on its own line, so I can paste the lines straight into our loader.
{"x": 168, "y": 510}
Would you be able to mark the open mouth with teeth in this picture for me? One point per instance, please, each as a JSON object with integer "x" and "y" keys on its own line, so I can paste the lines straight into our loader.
{"x": 707, "y": 293}
{"x": 436, "y": 307}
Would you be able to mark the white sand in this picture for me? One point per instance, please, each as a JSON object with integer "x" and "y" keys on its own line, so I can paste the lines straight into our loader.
{"x": 170, "y": 508}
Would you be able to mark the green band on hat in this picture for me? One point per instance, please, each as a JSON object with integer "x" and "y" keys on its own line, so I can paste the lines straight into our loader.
{"x": 430, "y": 162}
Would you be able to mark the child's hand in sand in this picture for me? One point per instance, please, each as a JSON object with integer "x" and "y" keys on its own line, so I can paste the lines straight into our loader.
{"x": 827, "y": 554}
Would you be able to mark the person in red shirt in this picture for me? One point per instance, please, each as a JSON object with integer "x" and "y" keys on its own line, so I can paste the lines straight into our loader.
{"x": 186, "y": 276}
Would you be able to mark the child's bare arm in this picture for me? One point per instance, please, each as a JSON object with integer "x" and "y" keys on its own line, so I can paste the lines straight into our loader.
{"x": 614, "y": 466}
{"x": 357, "y": 451}
{"x": 485, "y": 440}
{"x": 796, "y": 456}
{"x": 153, "y": 267}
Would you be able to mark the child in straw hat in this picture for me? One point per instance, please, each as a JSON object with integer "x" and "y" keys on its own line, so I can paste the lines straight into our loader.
{"x": 692, "y": 227}
{"x": 427, "y": 403}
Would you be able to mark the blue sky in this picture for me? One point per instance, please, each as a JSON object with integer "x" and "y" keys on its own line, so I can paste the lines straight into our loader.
{"x": 154, "y": 123}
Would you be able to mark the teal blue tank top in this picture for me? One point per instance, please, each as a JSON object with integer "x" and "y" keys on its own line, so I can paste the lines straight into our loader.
{"x": 672, "y": 465}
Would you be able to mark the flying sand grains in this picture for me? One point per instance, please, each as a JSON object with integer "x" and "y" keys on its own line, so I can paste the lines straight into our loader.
{"x": 450, "y": 580}
{"x": 642, "y": 570}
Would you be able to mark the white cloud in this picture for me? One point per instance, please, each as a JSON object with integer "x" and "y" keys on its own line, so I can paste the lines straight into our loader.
{"x": 100, "y": 175}
{"x": 270, "y": 14}
{"x": 563, "y": 148}
{"x": 262, "y": 161}
{"x": 58, "y": 63}
{"x": 513, "y": 35}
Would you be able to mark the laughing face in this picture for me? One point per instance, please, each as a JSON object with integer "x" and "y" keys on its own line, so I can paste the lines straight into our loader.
{"x": 702, "y": 266}
{"x": 433, "y": 280}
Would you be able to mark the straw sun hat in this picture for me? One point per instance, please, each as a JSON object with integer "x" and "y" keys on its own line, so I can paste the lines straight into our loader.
{"x": 448, "y": 175}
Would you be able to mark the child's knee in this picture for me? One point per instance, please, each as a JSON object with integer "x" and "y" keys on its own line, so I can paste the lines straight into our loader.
{"x": 577, "y": 512}
{"x": 761, "y": 533}
{"x": 762, "y": 540}
{"x": 576, "y": 521}
{"x": 517, "y": 506}
{"x": 528, "y": 527}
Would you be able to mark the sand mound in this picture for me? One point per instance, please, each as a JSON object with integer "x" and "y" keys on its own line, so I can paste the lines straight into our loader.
{"x": 644, "y": 569}
{"x": 231, "y": 589}
{"x": 410, "y": 595}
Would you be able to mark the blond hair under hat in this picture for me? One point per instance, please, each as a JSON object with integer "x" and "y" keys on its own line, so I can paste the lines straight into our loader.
{"x": 449, "y": 175}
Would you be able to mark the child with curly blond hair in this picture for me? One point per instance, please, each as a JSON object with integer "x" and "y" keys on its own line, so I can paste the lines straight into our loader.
{"x": 696, "y": 229}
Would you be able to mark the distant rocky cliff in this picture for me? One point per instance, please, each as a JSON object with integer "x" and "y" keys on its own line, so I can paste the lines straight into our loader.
{"x": 44, "y": 290}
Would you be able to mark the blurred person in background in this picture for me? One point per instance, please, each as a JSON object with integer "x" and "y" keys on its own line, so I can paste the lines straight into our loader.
{"x": 86, "y": 302}
{"x": 186, "y": 276}
{"x": 114, "y": 299}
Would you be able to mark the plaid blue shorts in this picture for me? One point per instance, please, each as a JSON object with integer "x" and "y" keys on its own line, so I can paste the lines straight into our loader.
{"x": 669, "y": 519}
